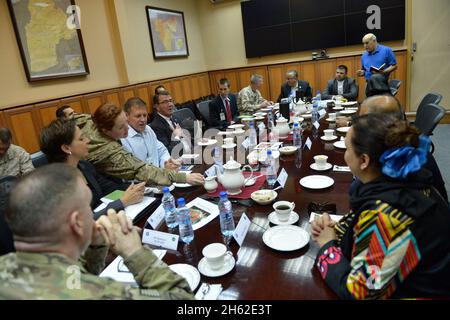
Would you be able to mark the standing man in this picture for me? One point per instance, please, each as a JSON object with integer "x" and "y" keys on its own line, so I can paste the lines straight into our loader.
{"x": 341, "y": 85}
{"x": 250, "y": 99}
{"x": 295, "y": 88}
{"x": 376, "y": 57}
{"x": 223, "y": 110}
{"x": 14, "y": 160}
{"x": 142, "y": 141}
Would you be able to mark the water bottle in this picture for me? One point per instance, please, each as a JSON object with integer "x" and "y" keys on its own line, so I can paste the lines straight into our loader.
{"x": 217, "y": 156}
{"x": 271, "y": 175}
{"x": 314, "y": 119}
{"x": 298, "y": 158}
{"x": 168, "y": 202}
{"x": 253, "y": 139}
{"x": 297, "y": 136}
{"x": 270, "y": 119}
{"x": 226, "y": 215}
{"x": 184, "y": 222}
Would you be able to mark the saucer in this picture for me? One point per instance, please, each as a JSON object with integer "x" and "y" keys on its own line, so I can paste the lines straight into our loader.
{"x": 286, "y": 238}
{"x": 348, "y": 111}
{"x": 343, "y": 129}
{"x": 338, "y": 108}
{"x": 230, "y": 146}
{"x": 206, "y": 270}
{"x": 293, "y": 218}
{"x": 188, "y": 272}
{"x": 330, "y": 120}
{"x": 182, "y": 185}
{"x": 209, "y": 143}
{"x": 327, "y": 166}
{"x": 328, "y": 138}
{"x": 339, "y": 144}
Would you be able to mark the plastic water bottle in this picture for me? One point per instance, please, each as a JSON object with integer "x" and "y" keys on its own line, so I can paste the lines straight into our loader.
{"x": 298, "y": 158}
{"x": 253, "y": 139}
{"x": 314, "y": 119}
{"x": 168, "y": 202}
{"x": 184, "y": 222}
{"x": 271, "y": 175}
{"x": 226, "y": 215}
{"x": 270, "y": 119}
{"x": 297, "y": 135}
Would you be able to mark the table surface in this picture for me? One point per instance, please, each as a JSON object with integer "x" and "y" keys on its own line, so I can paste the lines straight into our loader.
{"x": 261, "y": 272}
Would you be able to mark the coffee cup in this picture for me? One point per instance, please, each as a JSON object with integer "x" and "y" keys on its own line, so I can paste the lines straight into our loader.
{"x": 228, "y": 141}
{"x": 321, "y": 160}
{"x": 283, "y": 209}
{"x": 328, "y": 133}
{"x": 215, "y": 254}
{"x": 332, "y": 116}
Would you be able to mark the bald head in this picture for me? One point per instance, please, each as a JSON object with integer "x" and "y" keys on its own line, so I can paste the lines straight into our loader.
{"x": 382, "y": 104}
{"x": 370, "y": 42}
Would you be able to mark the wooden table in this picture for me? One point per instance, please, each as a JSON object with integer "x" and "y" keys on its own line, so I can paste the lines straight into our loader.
{"x": 261, "y": 272}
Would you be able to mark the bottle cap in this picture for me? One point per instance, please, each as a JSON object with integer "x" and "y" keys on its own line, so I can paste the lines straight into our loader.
{"x": 223, "y": 194}
{"x": 181, "y": 202}
{"x": 166, "y": 189}
{"x": 295, "y": 124}
{"x": 269, "y": 152}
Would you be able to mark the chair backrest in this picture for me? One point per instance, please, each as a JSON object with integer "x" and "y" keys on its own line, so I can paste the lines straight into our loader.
{"x": 39, "y": 159}
{"x": 394, "y": 84}
{"x": 203, "y": 108}
{"x": 6, "y": 238}
{"x": 431, "y": 97}
{"x": 428, "y": 116}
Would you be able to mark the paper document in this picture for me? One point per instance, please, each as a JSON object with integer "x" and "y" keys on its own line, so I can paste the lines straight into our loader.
{"x": 133, "y": 210}
{"x": 202, "y": 212}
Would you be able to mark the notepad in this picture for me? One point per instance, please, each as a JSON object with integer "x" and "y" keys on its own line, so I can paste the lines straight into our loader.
{"x": 113, "y": 196}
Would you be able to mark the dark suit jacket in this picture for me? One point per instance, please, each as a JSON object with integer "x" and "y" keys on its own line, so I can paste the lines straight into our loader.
{"x": 100, "y": 186}
{"x": 350, "y": 89}
{"x": 216, "y": 107}
{"x": 163, "y": 132}
{"x": 304, "y": 90}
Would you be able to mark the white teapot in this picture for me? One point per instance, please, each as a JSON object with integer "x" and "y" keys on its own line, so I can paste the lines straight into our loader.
{"x": 300, "y": 107}
{"x": 233, "y": 179}
{"x": 282, "y": 128}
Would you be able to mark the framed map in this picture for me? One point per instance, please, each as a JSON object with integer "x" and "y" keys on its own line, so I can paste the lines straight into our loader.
{"x": 167, "y": 33}
{"x": 49, "y": 38}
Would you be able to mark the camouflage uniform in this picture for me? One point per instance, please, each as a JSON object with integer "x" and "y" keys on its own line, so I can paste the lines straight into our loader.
{"x": 109, "y": 157}
{"x": 51, "y": 276}
{"x": 16, "y": 162}
{"x": 249, "y": 100}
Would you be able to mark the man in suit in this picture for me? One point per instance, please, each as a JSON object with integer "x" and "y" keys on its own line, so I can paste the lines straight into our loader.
{"x": 293, "y": 87}
{"x": 341, "y": 85}
{"x": 223, "y": 110}
{"x": 167, "y": 130}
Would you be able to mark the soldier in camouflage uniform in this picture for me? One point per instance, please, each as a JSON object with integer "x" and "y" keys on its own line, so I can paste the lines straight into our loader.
{"x": 14, "y": 160}
{"x": 109, "y": 157}
{"x": 250, "y": 99}
{"x": 52, "y": 223}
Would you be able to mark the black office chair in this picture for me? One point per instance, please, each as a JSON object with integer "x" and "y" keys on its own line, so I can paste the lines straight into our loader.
{"x": 39, "y": 159}
{"x": 6, "y": 237}
{"x": 187, "y": 120}
{"x": 431, "y": 97}
{"x": 394, "y": 85}
{"x": 427, "y": 118}
{"x": 203, "y": 108}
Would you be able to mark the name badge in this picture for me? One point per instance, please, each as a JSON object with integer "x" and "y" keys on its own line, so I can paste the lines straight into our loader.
{"x": 316, "y": 124}
{"x": 222, "y": 116}
{"x": 308, "y": 143}
{"x": 282, "y": 178}
{"x": 241, "y": 230}
{"x": 160, "y": 239}
{"x": 246, "y": 143}
{"x": 211, "y": 171}
{"x": 322, "y": 112}
{"x": 157, "y": 217}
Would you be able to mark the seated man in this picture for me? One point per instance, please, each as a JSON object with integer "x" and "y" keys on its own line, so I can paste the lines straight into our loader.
{"x": 223, "y": 110}
{"x": 341, "y": 85}
{"x": 141, "y": 140}
{"x": 167, "y": 130}
{"x": 14, "y": 160}
{"x": 250, "y": 99}
{"x": 65, "y": 112}
{"x": 50, "y": 216}
{"x": 295, "y": 88}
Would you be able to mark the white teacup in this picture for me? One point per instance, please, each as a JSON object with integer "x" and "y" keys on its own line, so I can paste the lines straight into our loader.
{"x": 332, "y": 116}
{"x": 215, "y": 254}
{"x": 328, "y": 133}
{"x": 283, "y": 209}
{"x": 228, "y": 141}
{"x": 321, "y": 160}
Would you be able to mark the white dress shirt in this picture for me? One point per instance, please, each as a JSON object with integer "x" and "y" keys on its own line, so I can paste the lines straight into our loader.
{"x": 146, "y": 147}
{"x": 340, "y": 87}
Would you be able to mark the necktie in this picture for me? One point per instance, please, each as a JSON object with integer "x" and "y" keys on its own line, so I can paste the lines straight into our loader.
{"x": 227, "y": 107}
{"x": 173, "y": 123}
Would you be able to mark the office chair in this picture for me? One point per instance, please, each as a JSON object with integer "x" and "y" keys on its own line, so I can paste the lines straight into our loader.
{"x": 394, "y": 85}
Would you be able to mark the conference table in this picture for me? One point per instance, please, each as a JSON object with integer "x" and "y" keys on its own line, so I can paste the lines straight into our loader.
{"x": 261, "y": 272}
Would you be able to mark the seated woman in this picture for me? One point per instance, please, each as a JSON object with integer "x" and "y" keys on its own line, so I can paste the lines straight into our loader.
{"x": 395, "y": 242}
{"x": 62, "y": 141}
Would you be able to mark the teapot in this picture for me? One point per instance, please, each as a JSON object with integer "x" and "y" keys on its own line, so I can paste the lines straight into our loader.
{"x": 233, "y": 179}
{"x": 300, "y": 107}
{"x": 282, "y": 127}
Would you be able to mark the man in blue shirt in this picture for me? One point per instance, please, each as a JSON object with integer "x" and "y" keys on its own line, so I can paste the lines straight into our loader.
{"x": 376, "y": 56}
{"x": 142, "y": 141}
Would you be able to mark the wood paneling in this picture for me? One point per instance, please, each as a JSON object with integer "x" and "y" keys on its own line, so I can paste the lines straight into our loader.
{"x": 195, "y": 86}
{"x": 141, "y": 91}
{"x": 76, "y": 103}
{"x": 3, "y": 120}
{"x": 235, "y": 86}
{"x": 93, "y": 101}
{"x": 125, "y": 94}
{"x": 47, "y": 112}
{"x": 400, "y": 74}
{"x": 205, "y": 88}
{"x": 214, "y": 78}
{"x": 325, "y": 71}
{"x": 112, "y": 96}
{"x": 186, "y": 88}
{"x": 350, "y": 63}
{"x": 24, "y": 125}
{"x": 244, "y": 79}
{"x": 177, "y": 91}
{"x": 276, "y": 78}
{"x": 308, "y": 73}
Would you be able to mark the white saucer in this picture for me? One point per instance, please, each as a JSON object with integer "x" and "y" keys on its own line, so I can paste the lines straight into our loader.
{"x": 343, "y": 129}
{"x": 236, "y": 126}
{"x": 349, "y": 103}
{"x": 328, "y": 138}
{"x": 330, "y": 120}
{"x": 338, "y": 108}
{"x": 231, "y": 146}
{"x": 327, "y": 166}
{"x": 293, "y": 218}
{"x": 188, "y": 272}
{"x": 209, "y": 143}
{"x": 182, "y": 185}
{"x": 225, "y": 133}
{"x": 316, "y": 182}
{"x": 306, "y": 116}
{"x": 340, "y": 144}
{"x": 206, "y": 270}
{"x": 348, "y": 111}
{"x": 286, "y": 238}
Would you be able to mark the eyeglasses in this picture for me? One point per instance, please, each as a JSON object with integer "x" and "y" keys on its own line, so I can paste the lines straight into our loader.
{"x": 166, "y": 101}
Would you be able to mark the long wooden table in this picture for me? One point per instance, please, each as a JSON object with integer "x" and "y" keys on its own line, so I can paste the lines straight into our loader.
{"x": 261, "y": 272}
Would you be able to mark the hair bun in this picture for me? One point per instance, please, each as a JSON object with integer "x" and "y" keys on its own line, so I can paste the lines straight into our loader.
{"x": 400, "y": 133}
